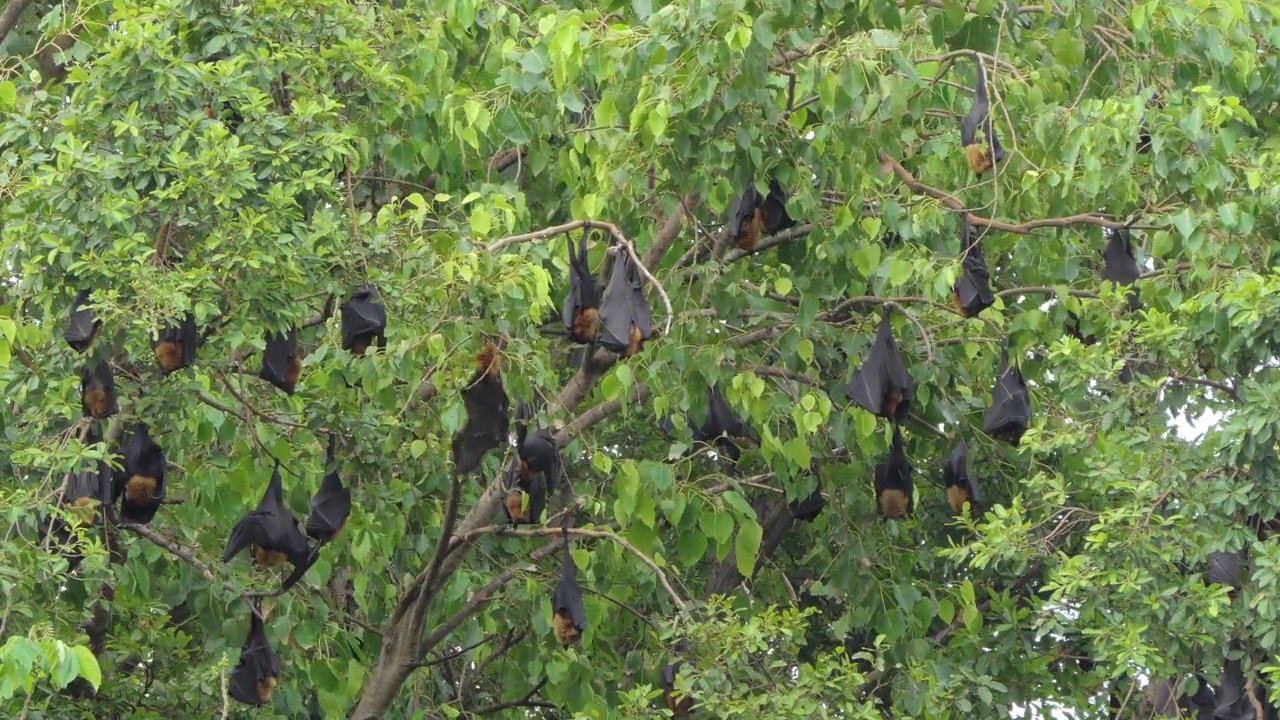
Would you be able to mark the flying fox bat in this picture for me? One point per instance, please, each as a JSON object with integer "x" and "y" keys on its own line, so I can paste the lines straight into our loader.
{"x": 364, "y": 321}
{"x": 98, "y": 391}
{"x": 1119, "y": 265}
{"x": 582, "y": 304}
{"x": 1144, "y": 131}
{"x": 752, "y": 216}
{"x": 538, "y": 451}
{"x": 1236, "y": 698}
{"x": 82, "y": 326}
{"x": 84, "y": 495}
{"x": 140, "y": 486}
{"x": 272, "y": 533}
{"x": 979, "y": 120}
{"x": 488, "y": 413}
{"x": 723, "y": 427}
{"x": 680, "y": 705}
{"x": 1224, "y": 569}
{"x": 175, "y": 348}
{"x": 972, "y": 292}
{"x": 332, "y": 502}
{"x": 569, "y": 615}
{"x": 281, "y": 365}
{"x": 809, "y": 508}
{"x": 893, "y": 481}
{"x": 882, "y": 386}
{"x": 1006, "y": 419}
{"x": 525, "y": 498}
{"x": 625, "y": 318}
{"x": 961, "y": 487}
{"x": 258, "y": 669}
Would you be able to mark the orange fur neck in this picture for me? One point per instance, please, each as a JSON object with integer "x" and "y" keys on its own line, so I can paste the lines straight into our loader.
{"x": 891, "y": 403}
{"x": 268, "y": 558}
{"x": 585, "y": 325}
{"x": 566, "y": 632}
{"x": 169, "y": 355}
{"x": 265, "y": 686}
{"x": 979, "y": 160}
{"x": 359, "y": 347}
{"x": 140, "y": 489}
{"x": 955, "y": 298}
{"x": 893, "y": 504}
{"x": 488, "y": 361}
{"x": 957, "y": 496}
{"x": 96, "y": 400}
{"x": 516, "y": 508}
{"x": 292, "y": 371}
{"x": 634, "y": 341}
{"x": 755, "y": 228}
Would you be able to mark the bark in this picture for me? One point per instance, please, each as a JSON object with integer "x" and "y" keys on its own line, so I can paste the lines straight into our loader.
{"x": 9, "y": 17}
{"x": 776, "y": 521}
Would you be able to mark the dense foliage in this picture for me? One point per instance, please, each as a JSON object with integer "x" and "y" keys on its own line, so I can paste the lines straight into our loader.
{"x": 248, "y": 162}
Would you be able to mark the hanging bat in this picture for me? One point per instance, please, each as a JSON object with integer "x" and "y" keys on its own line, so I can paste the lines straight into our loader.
{"x": 140, "y": 486}
{"x": 272, "y": 533}
{"x": 1144, "y": 131}
{"x": 1119, "y": 265}
{"x": 82, "y": 326}
{"x": 972, "y": 292}
{"x": 808, "y": 509}
{"x": 680, "y": 705}
{"x": 98, "y": 391}
{"x": 582, "y": 304}
{"x": 175, "y": 348}
{"x": 1224, "y": 569}
{"x": 961, "y": 487}
{"x": 569, "y": 615}
{"x": 882, "y": 386}
{"x": 525, "y": 498}
{"x": 625, "y": 318}
{"x": 1073, "y": 329}
{"x": 893, "y": 481}
{"x": 1237, "y": 699}
{"x": 258, "y": 669}
{"x": 364, "y": 321}
{"x": 488, "y": 413}
{"x": 332, "y": 502}
{"x": 1006, "y": 419}
{"x": 723, "y": 427}
{"x": 84, "y": 495}
{"x": 281, "y": 365}
{"x": 752, "y": 216}
{"x": 979, "y": 120}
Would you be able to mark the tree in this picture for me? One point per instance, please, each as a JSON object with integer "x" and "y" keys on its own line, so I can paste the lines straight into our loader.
{"x": 254, "y": 163}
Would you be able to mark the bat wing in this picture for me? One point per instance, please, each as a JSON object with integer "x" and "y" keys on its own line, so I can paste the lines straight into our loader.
{"x": 583, "y": 293}
{"x": 1010, "y": 408}
{"x": 303, "y": 558}
{"x": 329, "y": 508}
{"x": 956, "y": 471}
{"x": 544, "y": 456}
{"x": 82, "y": 326}
{"x": 249, "y": 531}
{"x": 488, "y": 421}
{"x": 362, "y": 316}
{"x": 273, "y": 497}
{"x": 190, "y": 339}
{"x": 867, "y": 387}
{"x": 741, "y": 208}
{"x": 279, "y": 355}
{"x": 809, "y": 508}
{"x": 615, "y": 309}
{"x": 1224, "y": 569}
{"x": 775, "y": 208}
{"x": 1233, "y": 702}
{"x": 568, "y": 596}
{"x": 641, "y": 315}
{"x": 973, "y": 289}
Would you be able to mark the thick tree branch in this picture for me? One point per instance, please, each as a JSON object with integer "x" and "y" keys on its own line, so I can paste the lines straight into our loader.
{"x": 9, "y": 17}
{"x": 771, "y": 241}
{"x": 670, "y": 230}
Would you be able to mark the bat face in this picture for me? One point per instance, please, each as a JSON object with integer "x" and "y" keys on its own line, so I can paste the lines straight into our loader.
{"x": 364, "y": 321}
{"x": 582, "y": 305}
{"x": 82, "y": 326}
{"x": 566, "y": 633}
{"x": 258, "y": 669}
{"x": 488, "y": 413}
{"x": 625, "y": 318}
{"x": 1010, "y": 411}
{"x": 98, "y": 391}
{"x": 979, "y": 121}
{"x": 281, "y": 365}
{"x": 141, "y": 484}
{"x": 894, "y": 493}
{"x": 1119, "y": 265}
{"x": 745, "y": 225}
{"x": 175, "y": 348}
{"x": 882, "y": 386}
{"x": 569, "y": 614}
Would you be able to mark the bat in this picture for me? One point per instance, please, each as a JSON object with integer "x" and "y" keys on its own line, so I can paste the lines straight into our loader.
{"x": 961, "y": 487}
{"x": 538, "y": 451}
{"x": 723, "y": 427}
{"x": 979, "y": 120}
{"x": 272, "y": 533}
{"x": 1119, "y": 265}
{"x": 569, "y": 616}
{"x": 1237, "y": 699}
{"x": 488, "y": 412}
{"x": 175, "y": 348}
{"x": 625, "y": 318}
{"x": 1073, "y": 329}
{"x": 332, "y": 502}
{"x": 809, "y": 508}
{"x": 84, "y": 494}
{"x": 893, "y": 481}
{"x": 281, "y": 365}
{"x": 140, "y": 486}
{"x": 680, "y": 705}
{"x": 364, "y": 321}
{"x": 582, "y": 304}
{"x": 752, "y": 216}
{"x": 258, "y": 669}
{"x": 1006, "y": 419}
{"x": 525, "y": 499}
{"x": 1224, "y": 569}
{"x": 882, "y": 386}
{"x": 82, "y": 326}
{"x": 972, "y": 292}
{"x": 98, "y": 391}
{"x": 1144, "y": 130}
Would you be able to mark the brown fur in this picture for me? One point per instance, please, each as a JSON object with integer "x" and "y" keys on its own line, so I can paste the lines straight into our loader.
{"x": 292, "y": 371}
{"x": 955, "y": 297}
{"x": 750, "y": 238}
{"x": 85, "y": 508}
{"x": 957, "y": 496}
{"x": 268, "y": 558}
{"x": 566, "y": 632}
{"x": 516, "y": 507}
{"x": 585, "y": 325}
{"x": 265, "y": 686}
{"x": 208, "y": 112}
{"x": 169, "y": 355}
{"x": 634, "y": 341}
{"x": 359, "y": 347}
{"x": 334, "y": 535}
{"x": 979, "y": 159}
{"x": 893, "y": 504}
{"x": 891, "y": 403}
{"x": 678, "y": 708}
{"x": 526, "y": 473}
{"x": 488, "y": 361}
{"x": 140, "y": 489}
{"x": 96, "y": 400}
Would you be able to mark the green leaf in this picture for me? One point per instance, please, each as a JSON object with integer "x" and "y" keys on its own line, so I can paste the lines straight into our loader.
{"x": 691, "y": 547}
{"x": 417, "y": 448}
{"x": 8, "y": 94}
{"x": 747, "y": 546}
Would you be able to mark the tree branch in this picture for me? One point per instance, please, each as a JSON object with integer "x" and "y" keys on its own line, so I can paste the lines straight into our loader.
{"x": 9, "y": 17}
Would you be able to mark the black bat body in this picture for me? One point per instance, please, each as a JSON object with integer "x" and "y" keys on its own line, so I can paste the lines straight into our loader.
{"x": 1119, "y": 265}
{"x": 894, "y": 493}
{"x": 272, "y": 533}
{"x": 82, "y": 326}
{"x": 961, "y": 487}
{"x": 84, "y": 495}
{"x": 752, "y": 216}
{"x": 979, "y": 120}
{"x": 1144, "y": 132}
{"x": 488, "y": 413}
{"x": 679, "y": 707}
{"x": 526, "y": 497}
{"x": 364, "y": 321}
{"x": 175, "y": 348}
{"x": 1236, "y": 699}
{"x": 809, "y": 508}
{"x": 1010, "y": 411}
{"x": 258, "y": 669}
{"x": 972, "y": 292}
{"x": 569, "y": 615}
{"x": 331, "y": 504}
{"x": 582, "y": 305}
{"x": 1224, "y": 569}
{"x": 281, "y": 365}
{"x": 98, "y": 391}
{"x": 882, "y": 386}
{"x": 625, "y": 318}
{"x": 1073, "y": 329}
{"x": 140, "y": 486}
{"x": 723, "y": 427}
